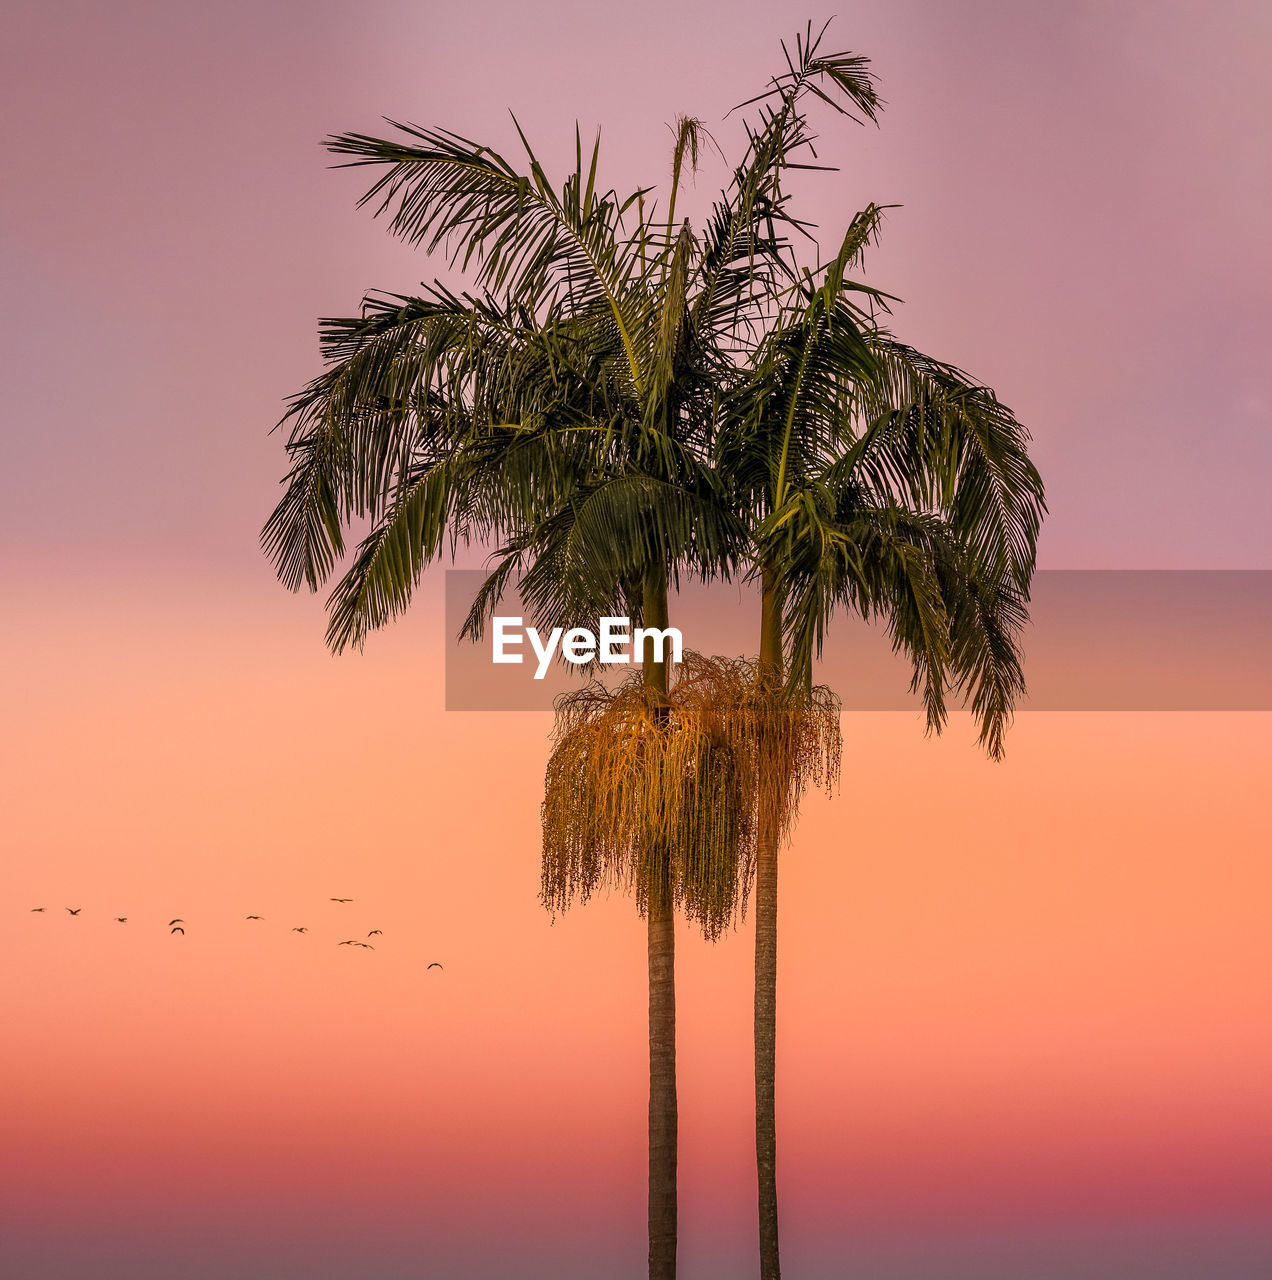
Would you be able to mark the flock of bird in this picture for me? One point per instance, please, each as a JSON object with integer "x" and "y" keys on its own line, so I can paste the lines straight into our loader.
{"x": 177, "y": 925}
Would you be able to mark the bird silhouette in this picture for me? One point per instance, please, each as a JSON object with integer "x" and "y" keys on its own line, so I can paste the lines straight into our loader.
{"x": 374, "y": 932}
{"x": 435, "y": 965}
{"x": 37, "y": 908}
{"x": 178, "y": 920}
{"x": 300, "y": 930}
{"x": 339, "y": 899}
{"x": 256, "y": 917}
{"x": 75, "y": 910}
{"x": 178, "y": 929}
{"x": 348, "y": 942}
{"x": 368, "y": 946}
{"x": 121, "y": 919}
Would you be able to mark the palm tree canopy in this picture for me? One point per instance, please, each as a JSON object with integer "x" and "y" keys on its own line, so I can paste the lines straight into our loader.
{"x": 876, "y": 478}
{"x": 563, "y": 409}
{"x": 618, "y": 391}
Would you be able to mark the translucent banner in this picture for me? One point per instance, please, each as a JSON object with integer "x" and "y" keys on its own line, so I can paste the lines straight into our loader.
{"x": 1098, "y": 640}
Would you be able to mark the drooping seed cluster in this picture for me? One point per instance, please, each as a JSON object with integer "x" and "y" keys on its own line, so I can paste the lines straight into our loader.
{"x": 669, "y": 795}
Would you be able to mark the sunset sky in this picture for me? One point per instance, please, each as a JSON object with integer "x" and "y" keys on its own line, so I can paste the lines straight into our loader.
{"x": 1025, "y": 1009}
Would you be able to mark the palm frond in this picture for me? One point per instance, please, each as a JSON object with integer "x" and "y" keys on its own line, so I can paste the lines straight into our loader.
{"x": 386, "y": 569}
{"x": 945, "y": 443}
{"x": 519, "y": 235}
{"x": 303, "y": 535}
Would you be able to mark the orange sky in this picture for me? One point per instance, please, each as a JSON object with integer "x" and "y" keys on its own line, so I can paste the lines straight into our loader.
{"x": 1060, "y": 1012}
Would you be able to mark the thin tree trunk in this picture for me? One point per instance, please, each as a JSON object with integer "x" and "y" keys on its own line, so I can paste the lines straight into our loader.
{"x": 766, "y": 967}
{"x": 663, "y": 1118}
{"x": 766, "y": 1050}
{"x": 662, "y": 1090}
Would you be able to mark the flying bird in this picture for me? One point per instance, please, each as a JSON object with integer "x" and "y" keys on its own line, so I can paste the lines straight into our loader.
{"x": 75, "y": 910}
{"x": 121, "y": 919}
{"x": 178, "y": 920}
{"x": 368, "y": 946}
{"x": 348, "y": 942}
{"x": 435, "y": 965}
{"x": 256, "y": 917}
{"x": 374, "y": 932}
{"x": 178, "y": 929}
{"x": 37, "y": 908}
{"x": 300, "y": 930}
{"x": 339, "y": 899}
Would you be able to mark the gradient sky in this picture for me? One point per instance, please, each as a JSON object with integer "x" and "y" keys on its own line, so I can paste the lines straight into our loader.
{"x": 1026, "y": 1009}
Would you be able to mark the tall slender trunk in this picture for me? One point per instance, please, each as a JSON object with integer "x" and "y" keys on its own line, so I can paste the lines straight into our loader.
{"x": 766, "y": 964}
{"x": 663, "y": 1117}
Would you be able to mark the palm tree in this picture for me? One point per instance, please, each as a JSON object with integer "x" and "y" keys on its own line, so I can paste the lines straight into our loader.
{"x": 879, "y": 481}
{"x": 554, "y": 409}
{"x": 565, "y": 410}
{"x": 525, "y": 417}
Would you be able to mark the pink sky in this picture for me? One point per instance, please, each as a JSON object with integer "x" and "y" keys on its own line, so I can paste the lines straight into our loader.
{"x": 1030, "y": 1042}
{"x": 1084, "y": 188}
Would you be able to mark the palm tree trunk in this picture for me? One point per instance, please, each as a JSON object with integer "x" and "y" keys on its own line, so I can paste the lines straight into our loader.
{"x": 766, "y": 966}
{"x": 662, "y": 1090}
{"x": 766, "y": 1050}
{"x": 663, "y": 1118}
